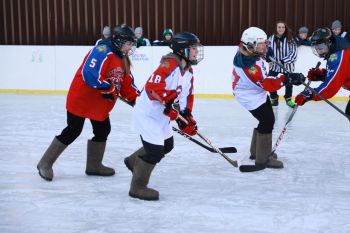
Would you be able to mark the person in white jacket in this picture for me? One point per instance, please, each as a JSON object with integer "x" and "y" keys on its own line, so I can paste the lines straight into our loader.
{"x": 170, "y": 84}
{"x": 250, "y": 84}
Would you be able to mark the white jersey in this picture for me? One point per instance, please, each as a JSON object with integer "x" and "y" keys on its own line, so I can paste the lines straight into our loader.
{"x": 250, "y": 85}
{"x": 148, "y": 118}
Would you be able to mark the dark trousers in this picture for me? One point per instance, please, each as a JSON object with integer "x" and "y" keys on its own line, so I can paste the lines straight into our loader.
{"x": 264, "y": 114}
{"x": 288, "y": 88}
{"x": 155, "y": 153}
{"x": 75, "y": 124}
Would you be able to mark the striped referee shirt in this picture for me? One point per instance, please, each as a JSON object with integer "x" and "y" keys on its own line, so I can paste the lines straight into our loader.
{"x": 286, "y": 54}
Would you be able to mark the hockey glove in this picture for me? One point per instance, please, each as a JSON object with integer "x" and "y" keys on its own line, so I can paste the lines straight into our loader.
{"x": 171, "y": 112}
{"x": 191, "y": 127}
{"x": 303, "y": 97}
{"x": 294, "y": 79}
{"x": 317, "y": 74}
{"x": 109, "y": 94}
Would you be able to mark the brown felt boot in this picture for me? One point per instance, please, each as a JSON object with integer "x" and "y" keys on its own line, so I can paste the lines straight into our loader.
{"x": 263, "y": 152}
{"x": 140, "y": 178}
{"x": 94, "y": 166}
{"x": 131, "y": 159}
{"x": 45, "y": 164}
{"x": 253, "y": 145}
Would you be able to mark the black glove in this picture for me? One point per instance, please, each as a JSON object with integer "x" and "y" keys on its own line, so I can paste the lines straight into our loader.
{"x": 294, "y": 79}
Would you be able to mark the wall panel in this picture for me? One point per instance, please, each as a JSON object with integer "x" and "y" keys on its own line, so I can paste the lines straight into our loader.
{"x": 216, "y": 22}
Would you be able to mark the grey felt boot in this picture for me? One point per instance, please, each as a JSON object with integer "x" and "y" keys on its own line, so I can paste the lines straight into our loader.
{"x": 94, "y": 166}
{"x": 140, "y": 178}
{"x": 253, "y": 145}
{"x": 45, "y": 164}
{"x": 263, "y": 152}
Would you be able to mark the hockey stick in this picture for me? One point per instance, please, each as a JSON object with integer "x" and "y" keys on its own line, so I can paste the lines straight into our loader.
{"x": 312, "y": 90}
{"x": 181, "y": 118}
{"x": 252, "y": 168}
{"x": 223, "y": 149}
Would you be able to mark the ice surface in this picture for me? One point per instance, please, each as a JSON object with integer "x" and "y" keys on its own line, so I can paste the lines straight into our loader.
{"x": 199, "y": 190}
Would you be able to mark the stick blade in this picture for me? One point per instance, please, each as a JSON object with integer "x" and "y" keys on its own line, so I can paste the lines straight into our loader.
{"x": 228, "y": 149}
{"x": 251, "y": 168}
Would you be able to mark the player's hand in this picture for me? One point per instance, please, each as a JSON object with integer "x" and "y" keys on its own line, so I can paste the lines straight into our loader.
{"x": 303, "y": 97}
{"x": 191, "y": 127}
{"x": 171, "y": 112}
{"x": 294, "y": 78}
{"x": 317, "y": 74}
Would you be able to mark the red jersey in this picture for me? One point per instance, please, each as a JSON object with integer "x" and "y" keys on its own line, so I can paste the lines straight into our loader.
{"x": 100, "y": 70}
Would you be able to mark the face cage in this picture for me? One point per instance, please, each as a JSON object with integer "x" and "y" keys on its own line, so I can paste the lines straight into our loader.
{"x": 120, "y": 42}
{"x": 252, "y": 47}
{"x": 200, "y": 55}
{"x": 322, "y": 46}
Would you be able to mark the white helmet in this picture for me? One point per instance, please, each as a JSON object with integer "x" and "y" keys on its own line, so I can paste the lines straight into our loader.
{"x": 251, "y": 37}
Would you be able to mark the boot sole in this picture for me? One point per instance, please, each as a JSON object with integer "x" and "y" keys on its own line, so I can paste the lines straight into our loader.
{"x": 142, "y": 198}
{"x": 45, "y": 178}
{"x": 98, "y": 174}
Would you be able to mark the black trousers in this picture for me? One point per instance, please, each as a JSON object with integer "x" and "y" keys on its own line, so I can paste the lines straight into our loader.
{"x": 264, "y": 114}
{"x": 75, "y": 124}
{"x": 288, "y": 88}
{"x": 155, "y": 153}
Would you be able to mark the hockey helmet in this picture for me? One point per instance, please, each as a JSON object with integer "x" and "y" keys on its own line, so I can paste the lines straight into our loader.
{"x": 251, "y": 37}
{"x": 182, "y": 43}
{"x": 122, "y": 34}
{"x": 321, "y": 41}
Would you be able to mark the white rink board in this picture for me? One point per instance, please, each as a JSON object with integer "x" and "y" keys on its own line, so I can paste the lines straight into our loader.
{"x": 53, "y": 67}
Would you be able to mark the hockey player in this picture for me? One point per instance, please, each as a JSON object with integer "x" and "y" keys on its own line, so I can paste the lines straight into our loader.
{"x": 250, "y": 84}
{"x": 336, "y": 50}
{"x": 104, "y": 72}
{"x": 171, "y": 82}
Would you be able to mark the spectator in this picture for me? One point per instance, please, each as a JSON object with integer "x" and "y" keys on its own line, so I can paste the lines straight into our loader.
{"x": 105, "y": 34}
{"x": 141, "y": 41}
{"x": 166, "y": 38}
{"x": 337, "y": 30}
{"x": 302, "y": 38}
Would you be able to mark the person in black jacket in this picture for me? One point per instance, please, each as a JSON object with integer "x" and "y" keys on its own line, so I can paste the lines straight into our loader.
{"x": 302, "y": 38}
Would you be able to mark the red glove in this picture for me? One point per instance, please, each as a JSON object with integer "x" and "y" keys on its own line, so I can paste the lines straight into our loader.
{"x": 172, "y": 113}
{"x": 169, "y": 96}
{"x": 109, "y": 94}
{"x": 317, "y": 74}
{"x": 303, "y": 97}
{"x": 191, "y": 127}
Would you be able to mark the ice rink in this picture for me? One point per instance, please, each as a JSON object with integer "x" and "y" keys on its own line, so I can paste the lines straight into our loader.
{"x": 199, "y": 190}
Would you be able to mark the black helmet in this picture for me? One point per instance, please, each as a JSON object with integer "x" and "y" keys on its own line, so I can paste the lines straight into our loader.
{"x": 321, "y": 35}
{"x": 181, "y": 44}
{"x": 121, "y": 34}
{"x": 321, "y": 39}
